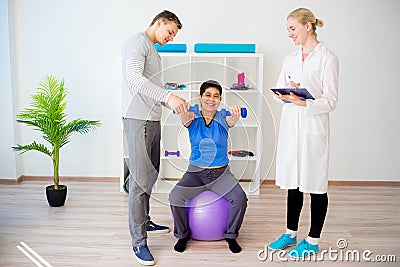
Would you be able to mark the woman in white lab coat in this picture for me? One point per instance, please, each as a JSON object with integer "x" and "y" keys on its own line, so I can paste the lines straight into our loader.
{"x": 303, "y": 143}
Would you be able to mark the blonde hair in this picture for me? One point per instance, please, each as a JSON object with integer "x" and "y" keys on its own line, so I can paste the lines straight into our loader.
{"x": 304, "y": 15}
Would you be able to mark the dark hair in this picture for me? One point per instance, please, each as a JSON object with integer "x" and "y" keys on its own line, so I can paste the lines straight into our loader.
{"x": 167, "y": 16}
{"x": 208, "y": 84}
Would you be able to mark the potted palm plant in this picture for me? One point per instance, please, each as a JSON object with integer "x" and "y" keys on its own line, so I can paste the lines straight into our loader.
{"x": 47, "y": 115}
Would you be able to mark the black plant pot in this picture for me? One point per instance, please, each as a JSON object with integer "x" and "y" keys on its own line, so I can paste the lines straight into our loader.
{"x": 56, "y": 198}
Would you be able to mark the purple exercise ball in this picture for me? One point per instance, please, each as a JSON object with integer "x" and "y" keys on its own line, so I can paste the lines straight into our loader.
{"x": 208, "y": 215}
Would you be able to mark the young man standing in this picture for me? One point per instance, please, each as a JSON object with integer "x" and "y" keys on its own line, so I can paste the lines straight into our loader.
{"x": 142, "y": 97}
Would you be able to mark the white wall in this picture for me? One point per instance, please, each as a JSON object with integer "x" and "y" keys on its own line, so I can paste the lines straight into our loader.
{"x": 8, "y": 162}
{"x": 81, "y": 42}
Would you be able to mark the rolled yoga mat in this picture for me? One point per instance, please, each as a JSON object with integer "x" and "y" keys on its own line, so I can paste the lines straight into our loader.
{"x": 224, "y": 48}
{"x": 175, "y": 48}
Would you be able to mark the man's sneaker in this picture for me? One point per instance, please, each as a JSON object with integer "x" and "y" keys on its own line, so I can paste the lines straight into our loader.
{"x": 143, "y": 255}
{"x": 303, "y": 250}
{"x": 157, "y": 229}
{"x": 283, "y": 242}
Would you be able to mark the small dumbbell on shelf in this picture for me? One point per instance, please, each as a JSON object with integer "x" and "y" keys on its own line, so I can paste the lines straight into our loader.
{"x": 172, "y": 153}
{"x": 241, "y": 153}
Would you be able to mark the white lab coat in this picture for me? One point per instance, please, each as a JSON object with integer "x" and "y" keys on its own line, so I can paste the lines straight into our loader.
{"x": 303, "y": 142}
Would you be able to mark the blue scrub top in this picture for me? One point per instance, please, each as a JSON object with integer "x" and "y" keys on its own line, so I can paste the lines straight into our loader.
{"x": 209, "y": 143}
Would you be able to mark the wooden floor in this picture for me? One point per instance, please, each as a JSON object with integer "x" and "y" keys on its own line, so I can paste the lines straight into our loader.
{"x": 92, "y": 229}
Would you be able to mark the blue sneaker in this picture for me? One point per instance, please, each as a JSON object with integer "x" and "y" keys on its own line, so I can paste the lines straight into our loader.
{"x": 156, "y": 229}
{"x": 283, "y": 242}
{"x": 143, "y": 255}
{"x": 303, "y": 250}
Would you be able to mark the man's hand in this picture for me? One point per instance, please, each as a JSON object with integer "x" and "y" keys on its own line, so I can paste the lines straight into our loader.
{"x": 185, "y": 115}
{"x": 183, "y": 108}
{"x": 176, "y": 102}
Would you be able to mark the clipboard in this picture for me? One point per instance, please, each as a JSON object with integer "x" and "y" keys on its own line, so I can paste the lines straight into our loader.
{"x": 300, "y": 92}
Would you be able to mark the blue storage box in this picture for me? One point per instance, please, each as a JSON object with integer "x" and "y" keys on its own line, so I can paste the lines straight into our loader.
{"x": 224, "y": 48}
{"x": 175, "y": 48}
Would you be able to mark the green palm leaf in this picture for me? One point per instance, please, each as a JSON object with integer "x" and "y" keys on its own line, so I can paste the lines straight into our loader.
{"x": 33, "y": 146}
{"x": 46, "y": 114}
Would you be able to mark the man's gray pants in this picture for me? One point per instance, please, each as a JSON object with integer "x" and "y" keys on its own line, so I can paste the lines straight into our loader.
{"x": 143, "y": 139}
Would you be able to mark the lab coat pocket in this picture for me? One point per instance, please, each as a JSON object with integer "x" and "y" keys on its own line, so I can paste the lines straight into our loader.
{"x": 289, "y": 120}
{"x": 318, "y": 124}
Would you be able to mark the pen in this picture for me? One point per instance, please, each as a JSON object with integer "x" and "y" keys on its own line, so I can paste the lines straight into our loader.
{"x": 292, "y": 83}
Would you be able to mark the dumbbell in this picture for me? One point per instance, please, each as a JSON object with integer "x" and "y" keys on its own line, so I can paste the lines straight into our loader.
{"x": 195, "y": 110}
{"x": 176, "y": 153}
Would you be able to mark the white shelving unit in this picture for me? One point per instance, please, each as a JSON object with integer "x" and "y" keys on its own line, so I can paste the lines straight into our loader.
{"x": 192, "y": 69}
